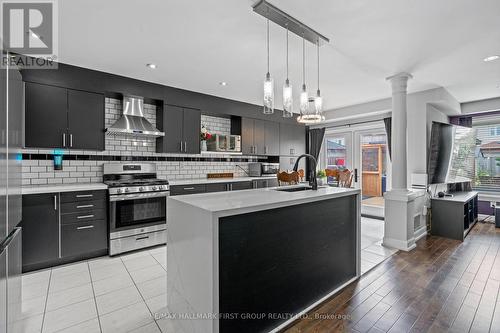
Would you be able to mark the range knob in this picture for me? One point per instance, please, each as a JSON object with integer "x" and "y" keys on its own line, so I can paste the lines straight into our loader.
{"x": 154, "y": 188}
{"x": 161, "y": 187}
{"x": 119, "y": 190}
{"x": 126, "y": 190}
{"x": 141, "y": 189}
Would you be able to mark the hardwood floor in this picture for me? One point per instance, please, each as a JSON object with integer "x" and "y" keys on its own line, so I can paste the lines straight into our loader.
{"x": 442, "y": 286}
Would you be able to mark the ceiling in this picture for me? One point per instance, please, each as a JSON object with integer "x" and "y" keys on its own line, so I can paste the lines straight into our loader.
{"x": 197, "y": 44}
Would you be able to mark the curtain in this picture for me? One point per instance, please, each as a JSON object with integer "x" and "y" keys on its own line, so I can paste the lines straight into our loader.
{"x": 388, "y": 130}
{"x": 316, "y": 137}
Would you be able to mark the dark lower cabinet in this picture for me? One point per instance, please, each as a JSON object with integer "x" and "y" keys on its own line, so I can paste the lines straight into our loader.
{"x": 64, "y": 227}
{"x": 237, "y": 186}
{"x": 78, "y": 238}
{"x": 40, "y": 227}
{"x": 263, "y": 183}
{"x": 216, "y": 187}
{"x": 187, "y": 189}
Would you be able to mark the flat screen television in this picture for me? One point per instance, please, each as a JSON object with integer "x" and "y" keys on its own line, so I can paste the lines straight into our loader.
{"x": 451, "y": 154}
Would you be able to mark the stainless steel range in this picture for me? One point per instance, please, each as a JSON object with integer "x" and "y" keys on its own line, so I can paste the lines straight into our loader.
{"x": 137, "y": 206}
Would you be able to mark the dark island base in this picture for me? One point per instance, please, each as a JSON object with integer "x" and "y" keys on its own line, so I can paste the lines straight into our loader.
{"x": 275, "y": 263}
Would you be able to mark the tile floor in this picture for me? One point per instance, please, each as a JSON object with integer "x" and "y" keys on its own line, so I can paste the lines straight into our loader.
{"x": 119, "y": 294}
{"x": 372, "y": 250}
{"x": 123, "y": 294}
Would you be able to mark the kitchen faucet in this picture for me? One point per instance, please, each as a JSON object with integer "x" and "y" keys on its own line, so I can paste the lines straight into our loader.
{"x": 313, "y": 182}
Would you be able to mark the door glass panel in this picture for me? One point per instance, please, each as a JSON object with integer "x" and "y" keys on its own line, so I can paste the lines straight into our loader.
{"x": 336, "y": 153}
{"x": 140, "y": 211}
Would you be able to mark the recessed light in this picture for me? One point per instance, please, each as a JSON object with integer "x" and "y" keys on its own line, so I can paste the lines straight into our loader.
{"x": 223, "y": 83}
{"x": 152, "y": 66}
{"x": 491, "y": 58}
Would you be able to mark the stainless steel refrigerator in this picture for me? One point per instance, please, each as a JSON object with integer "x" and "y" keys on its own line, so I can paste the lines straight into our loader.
{"x": 11, "y": 108}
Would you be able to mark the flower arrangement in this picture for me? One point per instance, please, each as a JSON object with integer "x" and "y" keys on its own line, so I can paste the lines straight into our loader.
{"x": 205, "y": 134}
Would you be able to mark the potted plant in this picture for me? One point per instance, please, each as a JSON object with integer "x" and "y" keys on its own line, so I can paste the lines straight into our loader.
{"x": 204, "y": 136}
{"x": 321, "y": 177}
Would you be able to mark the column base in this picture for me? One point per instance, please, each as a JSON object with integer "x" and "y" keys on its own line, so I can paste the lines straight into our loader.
{"x": 400, "y": 211}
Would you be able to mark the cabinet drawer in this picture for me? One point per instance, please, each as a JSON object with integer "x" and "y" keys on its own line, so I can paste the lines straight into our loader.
{"x": 89, "y": 215}
{"x": 236, "y": 186}
{"x": 187, "y": 189}
{"x": 78, "y": 196}
{"x": 217, "y": 187}
{"x": 77, "y": 207}
{"x": 83, "y": 237}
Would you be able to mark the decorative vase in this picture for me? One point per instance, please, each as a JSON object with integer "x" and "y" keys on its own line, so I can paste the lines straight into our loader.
{"x": 203, "y": 145}
{"x": 320, "y": 181}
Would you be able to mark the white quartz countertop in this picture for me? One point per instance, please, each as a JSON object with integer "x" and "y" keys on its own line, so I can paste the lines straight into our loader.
{"x": 258, "y": 199}
{"x": 216, "y": 180}
{"x": 458, "y": 196}
{"x": 37, "y": 189}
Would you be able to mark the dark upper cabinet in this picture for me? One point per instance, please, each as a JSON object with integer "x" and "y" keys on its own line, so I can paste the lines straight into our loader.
{"x": 182, "y": 130}
{"x": 170, "y": 120}
{"x": 292, "y": 140}
{"x": 259, "y": 137}
{"x": 191, "y": 131}
{"x": 40, "y": 225}
{"x": 272, "y": 138}
{"x": 46, "y": 116}
{"x": 247, "y": 136}
{"x": 63, "y": 118}
{"x": 85, "y": 120}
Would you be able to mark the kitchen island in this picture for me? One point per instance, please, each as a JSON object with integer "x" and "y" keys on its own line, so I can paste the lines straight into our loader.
{"x": 254, "y": 260}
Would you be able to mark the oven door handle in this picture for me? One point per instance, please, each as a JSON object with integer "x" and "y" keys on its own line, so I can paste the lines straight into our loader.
{"x": 123, "y": 197}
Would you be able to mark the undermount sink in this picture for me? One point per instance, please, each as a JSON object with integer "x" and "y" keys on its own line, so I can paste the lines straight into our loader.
{"x": 294, "y": 189}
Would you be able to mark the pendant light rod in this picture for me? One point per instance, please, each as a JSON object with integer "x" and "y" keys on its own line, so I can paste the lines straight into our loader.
{"x": 267, "y": 38}
{"x": 285, "y": 20}
{"x": 317, "y": 50}
{"x": 287, "y": 52}
{"x": 303, "y": 62}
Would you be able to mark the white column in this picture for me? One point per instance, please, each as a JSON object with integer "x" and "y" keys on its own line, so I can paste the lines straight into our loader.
{"x": 398, "y": 140}
{"x": 399, "y": 202}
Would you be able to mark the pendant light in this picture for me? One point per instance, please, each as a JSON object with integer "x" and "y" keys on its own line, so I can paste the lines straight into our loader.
{"x": 318, "y": 100}
{"x": 268, "y": 84}
{"x": 304, "y": 97}
{"x": 287, "y": 88}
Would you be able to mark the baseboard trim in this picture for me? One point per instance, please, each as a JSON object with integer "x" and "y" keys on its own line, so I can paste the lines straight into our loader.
{"x": 399, "y": 244}
{"x": 420, "y": 233}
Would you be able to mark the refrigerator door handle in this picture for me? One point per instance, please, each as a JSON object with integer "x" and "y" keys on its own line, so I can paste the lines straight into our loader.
{"x": 55, "y": 202}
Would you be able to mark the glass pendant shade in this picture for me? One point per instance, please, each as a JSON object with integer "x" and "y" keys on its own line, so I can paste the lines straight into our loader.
{"x": 268, "y": 95}
{"x": 287, "y": 100}
{"x": 318, "y": 103}
{"x": 304, "y": 101}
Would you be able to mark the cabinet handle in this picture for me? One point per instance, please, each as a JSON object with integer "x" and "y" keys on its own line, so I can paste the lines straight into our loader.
{"x": 84, "y": 195}
{"x": 181, "y": 145}
{"x": 85, "y": 227}
{"x": 265, "y": 149}
{"x": 64, "y": 139}
{"x": 188, "y": 188}
{"x": 185, "y": 147}
{"x": 55, "y": 202}
{"x": 85, "y": 216}
{"x": 71, "y": 140}
{"x": 85, "y": 206}
{"x": 141, "y": 238}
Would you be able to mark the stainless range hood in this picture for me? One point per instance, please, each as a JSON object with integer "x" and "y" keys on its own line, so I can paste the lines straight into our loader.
{"x": 132, "y": 121}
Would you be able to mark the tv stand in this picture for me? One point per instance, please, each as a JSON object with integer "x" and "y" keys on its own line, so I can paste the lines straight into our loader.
{"x": 453, "y": 217}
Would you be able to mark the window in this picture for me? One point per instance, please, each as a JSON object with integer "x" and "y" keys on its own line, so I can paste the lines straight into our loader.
{"x": 336, "y": 153}
{"x": 487, "y": 164}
